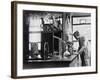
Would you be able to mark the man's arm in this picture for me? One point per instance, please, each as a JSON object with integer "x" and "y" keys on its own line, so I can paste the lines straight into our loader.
{"x": 82, "y": 43}
{"x": 81, "y": 50}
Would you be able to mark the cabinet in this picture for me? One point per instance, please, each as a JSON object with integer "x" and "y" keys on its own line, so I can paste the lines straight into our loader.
{"x": 50, "y": 45}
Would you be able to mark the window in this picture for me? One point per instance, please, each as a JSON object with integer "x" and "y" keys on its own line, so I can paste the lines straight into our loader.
{"x": 83, "y": 25}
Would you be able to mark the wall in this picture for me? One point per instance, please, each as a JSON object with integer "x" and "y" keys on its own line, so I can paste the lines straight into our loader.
{"x": 5, "y": 41}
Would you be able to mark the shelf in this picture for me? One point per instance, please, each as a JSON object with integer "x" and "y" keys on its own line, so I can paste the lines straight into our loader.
{"x": 45, "y": 31}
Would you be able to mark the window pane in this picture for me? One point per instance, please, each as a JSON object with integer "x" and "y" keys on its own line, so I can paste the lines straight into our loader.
{"x": 34, "y": 29}
{"x": 81, "y": 20}
{"x": 39, "y": 46}
{"x": 84, "y": 30}
{"x": 34, "y": 21}
{"x": 35, "y": 37}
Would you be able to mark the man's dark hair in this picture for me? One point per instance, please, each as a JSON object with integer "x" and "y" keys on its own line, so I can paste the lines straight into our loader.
{"x": 76, "y": 33}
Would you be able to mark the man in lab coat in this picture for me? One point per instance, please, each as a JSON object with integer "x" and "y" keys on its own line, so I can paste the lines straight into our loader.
{"x": 82, "y": 50}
